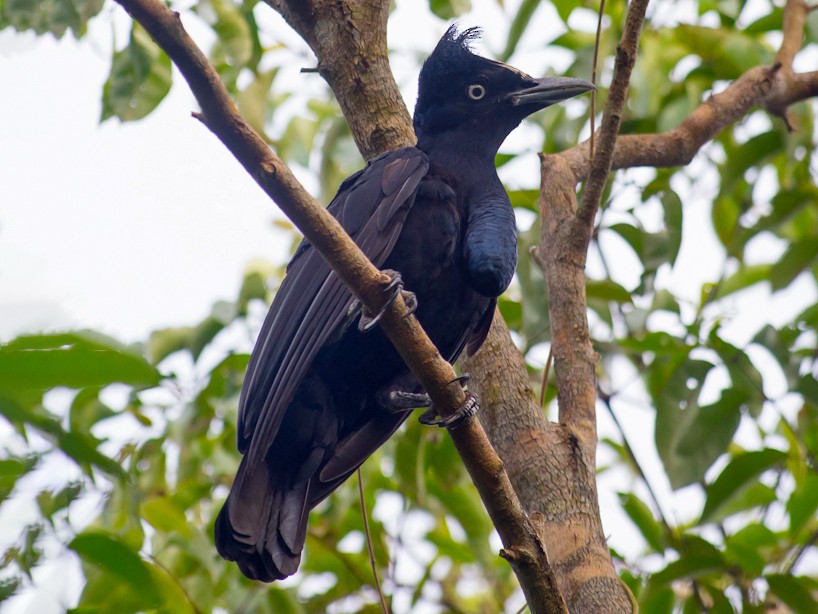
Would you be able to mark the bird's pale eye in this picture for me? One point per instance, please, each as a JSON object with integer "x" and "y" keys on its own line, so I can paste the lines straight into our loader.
{"x": 476, "y": 91}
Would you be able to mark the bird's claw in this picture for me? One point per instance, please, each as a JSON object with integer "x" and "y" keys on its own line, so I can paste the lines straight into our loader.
{"x": 394, "y": 287}
{"x": 469, "y": 408}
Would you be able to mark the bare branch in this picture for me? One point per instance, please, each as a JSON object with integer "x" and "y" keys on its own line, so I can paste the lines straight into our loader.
{"x": 795, "y": 17}
{"x": 612, "y": 117}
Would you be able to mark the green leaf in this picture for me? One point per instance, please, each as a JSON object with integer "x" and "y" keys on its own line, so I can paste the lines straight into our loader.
{"x": 77, "y": 364}
{"x": 54, "y": 16}
{"x": 746, "y": 379}
{"x": 254, "y": 101}
{"x": 140, "y": 79}
{"x": 795, "y": 591}
{"x": 173, "y": 598}
{"x": 664, "y": 300}
{"x": 756, "y": 495}
{"x": 807, "y": 385}
{"x": 769, "y": 21}
{"x": 87, "y": 410}
{"x": 164, "y": 342}
{"x": 232, "y": 30}
{"x": 672, "y": 205}
{"x": 739, "y": 474}
{"x": 726, "y": 212}
{"x": 653, "y": 249}
{"x": 165, "y": 516}
{"x": 27, "y": 553}
{"x": 688, "y": 437}
{"x": 9, "y": 587}
{"x": 565, "y": 8}
{"x": 660, "y": 601}
{"x": 799, "y": 256}
{"x": 50, "y": 502}
{"x": 253, "y": 287}
{"x": 114, "y": 557}
{"x": 750, "y": 154}
{"x": 512, "y": 311}
{"x": 748, "y": 548}
{"x": 744, "y": 277}
{"x": 82, "y": 447}
{"x": 708, "y": 433}
{"x": 697, "y": 557}
{"x": 803, "y": 504}
{"x": 608, "y": 290}
{"x": 283, "y": 601}
{"x": 524, "y": 13}
{"x": 525, "y": 199}
{"x": 641, "y": 515}
{"x": 727, "y": 53}
{"x": 11, "y": 470}
{"x": 449, "y": 9}
{"x": 204, "y": 333}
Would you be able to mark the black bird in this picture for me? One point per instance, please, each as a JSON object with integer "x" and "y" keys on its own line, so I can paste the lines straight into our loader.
{"x": 321, "y": 394}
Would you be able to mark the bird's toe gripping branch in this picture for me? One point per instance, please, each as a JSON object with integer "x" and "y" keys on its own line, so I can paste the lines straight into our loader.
{"x": 393, "y": 288}
{"x": 469, "y": 408}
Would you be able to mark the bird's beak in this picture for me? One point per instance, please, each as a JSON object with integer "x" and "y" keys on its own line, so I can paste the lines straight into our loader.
{"x": 550, "y": 90}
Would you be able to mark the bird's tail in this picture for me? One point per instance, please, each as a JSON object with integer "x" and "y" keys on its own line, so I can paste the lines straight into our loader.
{"x": 263, "y": 524}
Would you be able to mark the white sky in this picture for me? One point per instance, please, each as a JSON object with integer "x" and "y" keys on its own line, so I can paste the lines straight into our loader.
{"x": 118, "y": 227}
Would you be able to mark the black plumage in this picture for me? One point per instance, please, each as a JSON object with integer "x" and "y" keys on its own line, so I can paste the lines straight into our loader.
{"x": 316, "y": 399}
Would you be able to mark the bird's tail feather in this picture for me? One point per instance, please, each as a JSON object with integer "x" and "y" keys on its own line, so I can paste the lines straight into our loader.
{"x": 263, "y": 524}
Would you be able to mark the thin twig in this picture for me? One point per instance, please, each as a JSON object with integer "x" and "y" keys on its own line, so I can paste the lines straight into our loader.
{"x": 522, "y": 609}
{"x": 612, "y": 117}
{"x": 593, "y": 73}
{"x": 369, "y": 547}
{"x": 545, "y": 373}
{"x": 813, "y": 539}
{"x": 606, "y": 401}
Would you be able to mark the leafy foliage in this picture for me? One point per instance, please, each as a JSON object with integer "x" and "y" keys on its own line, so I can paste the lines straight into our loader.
{"x": 727, "y": 523}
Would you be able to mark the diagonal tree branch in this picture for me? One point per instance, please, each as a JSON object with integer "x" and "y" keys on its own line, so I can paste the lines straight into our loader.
{"x": 523, "y": 547}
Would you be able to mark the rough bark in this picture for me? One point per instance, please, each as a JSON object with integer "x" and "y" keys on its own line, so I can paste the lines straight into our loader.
{"x": 553, "y": 469}
{"x": 349, "y": 41}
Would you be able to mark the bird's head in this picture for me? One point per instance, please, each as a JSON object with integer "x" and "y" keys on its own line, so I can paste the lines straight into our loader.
{"x": 459, "y": 91}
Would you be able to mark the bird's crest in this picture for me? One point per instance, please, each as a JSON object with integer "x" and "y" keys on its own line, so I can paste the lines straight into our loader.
{"x": 453, "y": 52}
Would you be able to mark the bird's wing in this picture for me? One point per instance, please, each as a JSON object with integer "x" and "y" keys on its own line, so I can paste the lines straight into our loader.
{"x": 313, "y": 303}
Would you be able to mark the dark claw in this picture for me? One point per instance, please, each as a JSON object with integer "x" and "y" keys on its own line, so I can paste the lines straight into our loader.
{"x": 394, "y": 287}
{"x": 469, "y": 408}
{"x": 411, "y": 302}
{"x": 462, "y": 379}
{"x": 463, "y": 413}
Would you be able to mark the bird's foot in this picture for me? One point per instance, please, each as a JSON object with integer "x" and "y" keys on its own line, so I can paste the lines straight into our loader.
{"x": 396, "y": 401}
{"x": 394, "y": 287}
{"x": 469, "y": 408}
